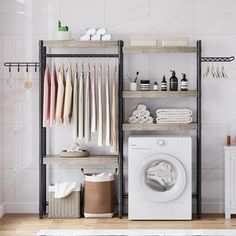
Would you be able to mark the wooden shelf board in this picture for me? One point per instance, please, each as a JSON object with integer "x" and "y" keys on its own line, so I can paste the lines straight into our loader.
{"x": 140, "y": 49}
{"x": 159, "y": 127}
{"x": 91, "y": 160}
{"x": 78, "y": 43}
{"x": 150, "y": 94}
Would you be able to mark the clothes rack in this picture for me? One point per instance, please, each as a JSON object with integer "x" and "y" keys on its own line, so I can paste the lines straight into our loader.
{"x": 217, "y": 59}
{"x": 43, "y": 158}
{"x": 19, "y": 65}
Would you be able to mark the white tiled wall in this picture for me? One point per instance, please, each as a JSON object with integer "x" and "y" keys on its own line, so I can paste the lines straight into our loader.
{"x": 27, "y": 21}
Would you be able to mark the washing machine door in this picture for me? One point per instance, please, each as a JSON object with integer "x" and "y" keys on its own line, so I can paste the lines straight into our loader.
{"x": 162, "y": 177}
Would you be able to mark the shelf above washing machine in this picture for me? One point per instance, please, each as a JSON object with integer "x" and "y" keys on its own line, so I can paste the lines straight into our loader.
{"x": 154, "y": 94}
{"x": 159, "y": 127}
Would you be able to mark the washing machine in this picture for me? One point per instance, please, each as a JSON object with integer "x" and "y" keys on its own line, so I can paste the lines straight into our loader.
{"x": 160, "y": 178}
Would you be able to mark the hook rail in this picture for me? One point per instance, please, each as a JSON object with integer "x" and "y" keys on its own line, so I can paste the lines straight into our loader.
{"x": 217, "y": 59}
{"x": 21, "y": 64}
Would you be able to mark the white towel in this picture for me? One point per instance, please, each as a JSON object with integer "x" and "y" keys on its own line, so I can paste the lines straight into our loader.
{"x": 174, "y": 120}
{"x": 141, "y": 113}
{"x": 75, "y": 106}
{"x": 141, "y": 107}
{"x": 85, "y": 37}
{"x": 87, "y": 117}
{"x": 108, "y": 115}
{"x": 100, "y": 110}
{"x": 81, "y": 106}
{"x": 114, "y": 145}
{"x": 62, "y": 190}
{"x": 174, "y": 112}
{"x": 93, "y": 101}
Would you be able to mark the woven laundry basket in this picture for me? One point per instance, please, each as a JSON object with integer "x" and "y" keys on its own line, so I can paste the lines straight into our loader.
{"x": 99, "y": 195}
{"x": 64, "y": 208}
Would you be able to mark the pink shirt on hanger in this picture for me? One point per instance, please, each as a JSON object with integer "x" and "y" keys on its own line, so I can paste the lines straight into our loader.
{"x": 46, "y": 98}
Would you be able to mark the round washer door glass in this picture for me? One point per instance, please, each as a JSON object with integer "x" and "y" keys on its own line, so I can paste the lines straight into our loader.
{"x": 161, "y": 177}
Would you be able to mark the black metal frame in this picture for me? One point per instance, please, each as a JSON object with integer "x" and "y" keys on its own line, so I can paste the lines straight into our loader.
{"x": 42, "y": 131}
{"x": 217, "y": 59}
{"x": 199, "y": 130}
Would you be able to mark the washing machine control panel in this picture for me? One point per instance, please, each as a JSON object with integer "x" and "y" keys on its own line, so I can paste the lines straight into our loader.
{"x": 161, "y": 142}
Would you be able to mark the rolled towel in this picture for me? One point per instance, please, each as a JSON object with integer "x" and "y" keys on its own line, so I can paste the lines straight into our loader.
{"x": 90, "y": 31}
{"x": 95, "y": 37}
{"x": 85, "y": 37}
{"x": 174, "y": 112}
{"x": 101, "y": 31}
{"x": 106, "y": 37}
{"x": 141, "y": 113}
{"x": 174, "y": 120}
{"x": 141, "y": 107}
{"x": 149, "y": 120}
{"x": 133, "y": 120}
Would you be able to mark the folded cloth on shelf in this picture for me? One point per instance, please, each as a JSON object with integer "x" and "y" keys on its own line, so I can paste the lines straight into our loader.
{"x": 166, "y": 112}
{"x": 64, "y": 189}
{"x": 141, "y": 107}
{"x": 174, "y": 120}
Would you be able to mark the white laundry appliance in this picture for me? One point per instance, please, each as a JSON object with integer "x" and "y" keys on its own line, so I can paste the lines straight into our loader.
{"x": 160, "y": 178}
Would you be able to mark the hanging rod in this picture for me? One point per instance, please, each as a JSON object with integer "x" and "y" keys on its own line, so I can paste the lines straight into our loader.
{"x": 217, "y": 59}
{"x": 21, "y": 64}
{"x": 82, "y": 55}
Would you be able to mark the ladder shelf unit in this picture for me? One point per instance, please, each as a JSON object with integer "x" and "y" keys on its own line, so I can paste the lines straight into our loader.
{"x": 45, "y": 159}
{"x": 197, "y": 126}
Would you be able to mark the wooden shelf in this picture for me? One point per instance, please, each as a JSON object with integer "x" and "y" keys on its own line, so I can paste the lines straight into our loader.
{"x": 159, "y": 127}
{"x": 78, "y": 43}
{"x": 154, "y": 94}
{"x": 139, "y": 49}
{"x": 91, "y": 160}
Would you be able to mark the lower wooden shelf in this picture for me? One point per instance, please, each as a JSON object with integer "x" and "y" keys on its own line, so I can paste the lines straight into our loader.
{"x": 91, "y": 160}
{"x": 159, "y": 127}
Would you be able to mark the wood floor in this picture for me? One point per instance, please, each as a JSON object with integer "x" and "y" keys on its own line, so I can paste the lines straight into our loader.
{"x": 27, "y": 225}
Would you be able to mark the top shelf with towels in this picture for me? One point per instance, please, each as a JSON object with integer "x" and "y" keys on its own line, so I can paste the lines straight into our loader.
{"x": 148, "y": 49}
{"x": 79, "y": 43}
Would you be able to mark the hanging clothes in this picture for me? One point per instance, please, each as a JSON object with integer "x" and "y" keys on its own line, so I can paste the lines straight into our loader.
{"x": 87, "y": 113}
{"x": 114, "y": 144}
{"x": 93, "y": 101}
{"x": 75, "y": 105}
{"x": 107, "y": 107}
{"x": 46, "y": 97}
{"x": 60, "y": 96}
{"x": 81, "y": 105}
{"x": 100, "y": 110}
{"x": 68, "y": 97}
{"x": 53, "y": 93}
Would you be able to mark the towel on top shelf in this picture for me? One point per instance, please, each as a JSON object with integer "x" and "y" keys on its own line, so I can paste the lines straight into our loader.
{"x": 141, "y": 115}
{"x": 176, "y": 115}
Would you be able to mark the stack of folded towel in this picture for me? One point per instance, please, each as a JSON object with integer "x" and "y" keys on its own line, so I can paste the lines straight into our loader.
{"x": 141, "y": 115}
{"x": 181, "y": 115}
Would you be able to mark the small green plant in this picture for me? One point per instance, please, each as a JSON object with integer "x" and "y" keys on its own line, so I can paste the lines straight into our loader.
{"x": 62, "y": 28}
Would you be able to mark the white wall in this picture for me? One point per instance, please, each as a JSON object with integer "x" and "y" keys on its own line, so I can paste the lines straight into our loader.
{"x": 27, "y": 21}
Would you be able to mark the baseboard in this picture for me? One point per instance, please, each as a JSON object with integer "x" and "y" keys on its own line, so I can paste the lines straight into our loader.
{"x": 2, "y": 210}
{"x": 21, "y": 207}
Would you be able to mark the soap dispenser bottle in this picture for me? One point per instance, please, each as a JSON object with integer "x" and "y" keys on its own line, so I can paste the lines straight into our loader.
{"x": 163, "y": 84}
{"x": 155, "y": 86}
{"x": 173, "y": 82}
{"x": 184, "y": 83}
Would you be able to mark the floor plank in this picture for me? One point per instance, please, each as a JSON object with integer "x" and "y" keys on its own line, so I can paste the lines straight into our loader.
{"x": 29, "y": 224}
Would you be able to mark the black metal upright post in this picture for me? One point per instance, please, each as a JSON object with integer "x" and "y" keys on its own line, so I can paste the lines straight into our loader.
{"x": 42, "y": 133}
{"x": 199, "y": 129}
{"x": 121, "y": 185}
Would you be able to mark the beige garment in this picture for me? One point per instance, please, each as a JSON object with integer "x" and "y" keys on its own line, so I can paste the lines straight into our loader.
{"x": 93, "y": 101}
{"x": 114, "y": 145}
{"x": 87, "y": 112}
{"x": 75, "y": 106}
{"x": 81, "y": 106}
{"x": 68, "y": 97}
{"x": 100, "y": 110}
{"x": 60, "y": 96}
{"x": 108, "y": 112}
